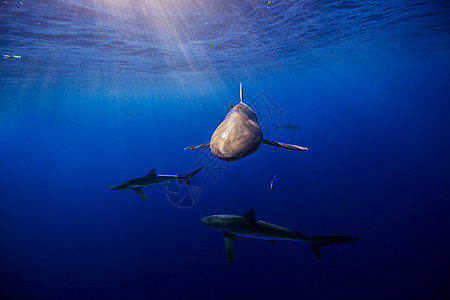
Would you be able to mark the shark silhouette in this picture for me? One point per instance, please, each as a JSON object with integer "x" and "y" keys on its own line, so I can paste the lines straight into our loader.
{"x": 248, "y": 226}
{"x": 137, "y": 184}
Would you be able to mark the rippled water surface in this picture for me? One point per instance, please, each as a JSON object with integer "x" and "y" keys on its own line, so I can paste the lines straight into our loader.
{"x": 121, "y": 41}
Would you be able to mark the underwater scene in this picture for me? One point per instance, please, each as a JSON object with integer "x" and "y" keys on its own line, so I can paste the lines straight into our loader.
{"x": 224, "y": 149}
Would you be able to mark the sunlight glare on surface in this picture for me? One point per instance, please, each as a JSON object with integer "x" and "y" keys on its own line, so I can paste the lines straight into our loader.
{"x": 171, "y": 26}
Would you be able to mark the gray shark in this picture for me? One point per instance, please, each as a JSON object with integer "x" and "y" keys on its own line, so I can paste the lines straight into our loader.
{"x": 288, "y": 126}
{"x": 239, "y": 134}
{"x": 248, "y": 226}
{"x": 136, "y": 184}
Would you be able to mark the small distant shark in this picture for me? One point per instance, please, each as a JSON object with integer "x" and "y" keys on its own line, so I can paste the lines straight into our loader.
{"x": 248, "y": 226}
{"x": 288, "y": 126}
{"x": 239, "y": 134}
{"x": 131, "y": 114}
{"x": 136, "y": 184}
{"x": 272, "y": 182}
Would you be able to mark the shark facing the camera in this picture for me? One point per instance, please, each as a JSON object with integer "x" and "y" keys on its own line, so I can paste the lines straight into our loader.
{"x": 248, "y": 226}
{"x": 137, "y": 184}
{"x": 239, "y": 134}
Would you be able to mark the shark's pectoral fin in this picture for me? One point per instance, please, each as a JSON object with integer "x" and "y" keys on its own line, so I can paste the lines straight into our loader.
{"x": 197, "y": 146}
{"x": 140, "y": 192}
{"x": 229, "y": 246}
{"x": 316, "y": 250}
{"x": 282, "y": 145}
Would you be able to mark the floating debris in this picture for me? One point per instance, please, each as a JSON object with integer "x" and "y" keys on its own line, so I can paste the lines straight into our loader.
{"x": 272, "y": 182}
{"x": 11, "y": 56}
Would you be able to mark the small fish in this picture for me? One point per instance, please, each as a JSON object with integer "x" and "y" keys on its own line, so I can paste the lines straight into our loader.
{"x": 273, "y": 180}
{"x": 288, "y": 126}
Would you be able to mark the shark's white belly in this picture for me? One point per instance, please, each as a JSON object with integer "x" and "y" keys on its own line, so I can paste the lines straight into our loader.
{"x": 155, "y": 182}
{"x": 281, "y": 236}
{"x": 268, "y": 237}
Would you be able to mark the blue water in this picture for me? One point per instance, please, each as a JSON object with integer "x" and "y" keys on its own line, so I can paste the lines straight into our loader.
{"x": 96, "y": 92}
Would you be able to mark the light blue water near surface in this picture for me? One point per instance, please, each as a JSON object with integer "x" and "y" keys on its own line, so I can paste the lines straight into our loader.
{"x": 367, "y": 82}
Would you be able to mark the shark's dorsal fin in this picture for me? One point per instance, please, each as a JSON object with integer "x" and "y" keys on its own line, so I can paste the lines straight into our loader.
{"x": 242, "y": 94}
{"x": 229, "y": 246}
{"x": 250, "y": 215}
{"x": 152, "y": 172}
{"x": 140, "y": 192}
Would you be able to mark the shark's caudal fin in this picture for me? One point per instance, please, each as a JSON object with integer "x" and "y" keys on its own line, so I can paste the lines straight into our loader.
{"x": 140, "y": 192}
{"x": 189, "y": 176}
{"x": 242, "y": 93}
{"x": 317, "y": 241}
{"x": 282, "y": 145}
{"x": 276, "y": 126}
{"x": 197, "y": 146}
{"x": 229, "y": 246}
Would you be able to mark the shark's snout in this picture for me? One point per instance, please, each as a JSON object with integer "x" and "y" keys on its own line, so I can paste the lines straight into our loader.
{"x": 206, "y": 220}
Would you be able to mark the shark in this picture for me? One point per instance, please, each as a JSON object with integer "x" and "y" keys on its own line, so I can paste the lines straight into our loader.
{"x": 239, "y": 134}
{"x": 137, "y": 184}
{"x": 288, "y": 126}
{"x": 247, "y": 226}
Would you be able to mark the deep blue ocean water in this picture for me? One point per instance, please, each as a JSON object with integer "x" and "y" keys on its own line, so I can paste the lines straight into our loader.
{"x": 96, "y": 92}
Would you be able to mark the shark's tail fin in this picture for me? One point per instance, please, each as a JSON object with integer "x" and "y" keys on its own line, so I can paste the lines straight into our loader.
{"x": 317, "y": 241}
{"x": 189, "y": 176}
{"x": 276, "y": 126}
